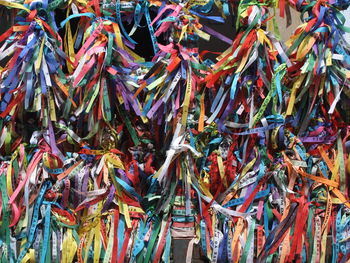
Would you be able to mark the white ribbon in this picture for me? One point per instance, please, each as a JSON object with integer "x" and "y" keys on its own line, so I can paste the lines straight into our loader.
{"x": 177, "y": 146}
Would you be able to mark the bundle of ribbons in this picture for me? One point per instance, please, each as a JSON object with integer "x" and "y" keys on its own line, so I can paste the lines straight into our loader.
{"x": 108, "y": 157}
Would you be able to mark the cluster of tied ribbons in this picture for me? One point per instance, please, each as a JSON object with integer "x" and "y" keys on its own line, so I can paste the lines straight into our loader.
{"x": 106, "y": 157}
